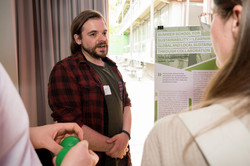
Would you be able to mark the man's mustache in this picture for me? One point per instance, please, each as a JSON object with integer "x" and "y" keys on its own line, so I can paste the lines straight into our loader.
{"x": 101, "y": 44}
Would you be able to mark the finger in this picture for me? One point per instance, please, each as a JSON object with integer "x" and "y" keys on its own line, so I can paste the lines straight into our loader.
{"x": 121, "y": 156}
{"x": 78, "y": 131}
{"x": 116, "y": 151}
{"x": 111, "y": 153}
{"x": 94, "y": 156}
{"x": 116, "y": 154}
{"x": 111, "y": 140}
{"x": 125, "y": 153}
{"x": 54, "y": 161}
{"x": 53, "y": 147}
{"x": 70, "y": 129}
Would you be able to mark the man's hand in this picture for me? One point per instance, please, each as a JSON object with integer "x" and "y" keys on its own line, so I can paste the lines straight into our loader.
{"x": 120, "y": 147}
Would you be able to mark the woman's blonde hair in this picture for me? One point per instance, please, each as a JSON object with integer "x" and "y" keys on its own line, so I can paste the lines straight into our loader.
{"x": 232, "y": 81}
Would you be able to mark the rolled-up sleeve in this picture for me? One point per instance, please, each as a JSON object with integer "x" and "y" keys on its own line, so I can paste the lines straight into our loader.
{"x": 64, "y": 95}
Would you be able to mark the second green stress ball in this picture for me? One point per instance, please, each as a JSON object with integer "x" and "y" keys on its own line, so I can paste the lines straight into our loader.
{"x": 67, "y": 144}
{"x": 61, "y": 155}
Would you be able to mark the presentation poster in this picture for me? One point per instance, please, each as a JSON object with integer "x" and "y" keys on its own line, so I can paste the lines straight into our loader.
{"x": 184, "y": 64}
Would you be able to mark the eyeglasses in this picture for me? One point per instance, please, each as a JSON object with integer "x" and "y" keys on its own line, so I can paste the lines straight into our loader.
{"x": 206, "y": 21}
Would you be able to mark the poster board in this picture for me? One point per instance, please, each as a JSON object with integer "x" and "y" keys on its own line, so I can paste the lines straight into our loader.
{"x": 184, "y": 64}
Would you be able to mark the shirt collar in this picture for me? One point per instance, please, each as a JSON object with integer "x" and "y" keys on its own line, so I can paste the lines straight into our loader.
{"x": 81, "y": 59}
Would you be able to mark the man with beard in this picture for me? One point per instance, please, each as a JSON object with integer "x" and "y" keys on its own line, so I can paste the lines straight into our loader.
{"x": 87, "y": 88}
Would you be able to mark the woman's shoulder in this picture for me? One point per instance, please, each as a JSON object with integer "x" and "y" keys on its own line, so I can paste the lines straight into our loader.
{"x": 166, "y": 143}
{"x": 176, "y": 119}
{"x": 174, "y": 130}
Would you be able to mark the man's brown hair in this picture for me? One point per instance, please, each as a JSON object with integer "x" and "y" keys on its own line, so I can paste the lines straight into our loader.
{"x": 77, "y": 24}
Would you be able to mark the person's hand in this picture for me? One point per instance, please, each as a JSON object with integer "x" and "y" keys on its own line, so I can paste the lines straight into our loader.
{"x": 120, "y": 147}
{"x": 50, "y": 136}
{"x": 79, "y": 155}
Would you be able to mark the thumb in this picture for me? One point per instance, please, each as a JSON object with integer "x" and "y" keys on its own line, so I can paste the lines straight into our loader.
{"x": 111, "y": 140}
{"x": 54, "y": 160}
{"x": 54, "y": 147}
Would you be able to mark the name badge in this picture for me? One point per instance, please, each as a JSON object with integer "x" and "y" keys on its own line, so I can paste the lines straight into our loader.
{"x": 107, "y": 90}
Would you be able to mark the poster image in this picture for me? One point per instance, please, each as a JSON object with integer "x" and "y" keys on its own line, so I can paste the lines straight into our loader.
{"x": 184, "y": 64}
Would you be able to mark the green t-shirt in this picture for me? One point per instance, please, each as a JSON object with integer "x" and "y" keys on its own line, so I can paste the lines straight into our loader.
{"x": 111, "y": 82}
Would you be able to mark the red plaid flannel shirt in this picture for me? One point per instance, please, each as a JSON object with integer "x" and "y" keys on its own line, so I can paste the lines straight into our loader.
{"x": 76, "y": 94}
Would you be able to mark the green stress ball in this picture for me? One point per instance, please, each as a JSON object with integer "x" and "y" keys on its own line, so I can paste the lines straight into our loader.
{"x": 70, "y": 141}
{"x": 61, "y": 155}
{"x": 67, "y": 144}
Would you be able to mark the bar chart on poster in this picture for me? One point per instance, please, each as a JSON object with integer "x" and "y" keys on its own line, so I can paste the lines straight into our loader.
{"x": 184, "y": 64}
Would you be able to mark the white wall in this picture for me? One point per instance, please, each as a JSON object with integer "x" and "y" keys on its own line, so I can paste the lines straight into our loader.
{"x": 194, "y": 12}
{"x": 176, "y": 13}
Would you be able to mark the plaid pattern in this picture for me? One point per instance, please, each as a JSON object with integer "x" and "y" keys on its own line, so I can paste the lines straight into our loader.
{"x": 76, "y": 94}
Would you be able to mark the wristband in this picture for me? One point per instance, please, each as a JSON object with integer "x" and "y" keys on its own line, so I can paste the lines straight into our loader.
{"x": 124, "y": 131}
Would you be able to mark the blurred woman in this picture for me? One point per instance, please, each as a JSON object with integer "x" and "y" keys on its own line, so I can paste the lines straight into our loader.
{"x": 218, "y": 133}
{"x": 18, "y": 140}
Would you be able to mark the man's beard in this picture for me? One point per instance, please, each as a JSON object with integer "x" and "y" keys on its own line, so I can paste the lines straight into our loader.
{"x": 92, "y": 51}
